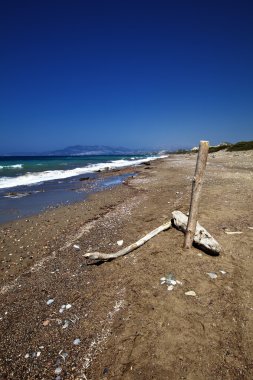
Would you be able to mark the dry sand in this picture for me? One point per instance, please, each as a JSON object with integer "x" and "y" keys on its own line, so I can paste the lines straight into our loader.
{"x": 129, "y": 325}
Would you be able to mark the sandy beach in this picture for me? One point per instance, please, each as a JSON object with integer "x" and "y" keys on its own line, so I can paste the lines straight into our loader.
{"x": 63, "y": 318}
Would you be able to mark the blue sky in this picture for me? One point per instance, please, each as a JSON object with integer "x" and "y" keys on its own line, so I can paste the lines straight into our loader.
{"x": 139, "y": 74}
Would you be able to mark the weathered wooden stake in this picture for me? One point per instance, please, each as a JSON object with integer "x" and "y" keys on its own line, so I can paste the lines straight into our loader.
{"x": 196, "y": 190}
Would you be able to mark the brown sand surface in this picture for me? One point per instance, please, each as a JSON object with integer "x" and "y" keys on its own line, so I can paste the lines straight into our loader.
{"x": 129, "y": 325}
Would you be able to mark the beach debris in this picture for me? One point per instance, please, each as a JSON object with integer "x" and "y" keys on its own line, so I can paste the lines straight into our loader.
{"x": 199, "y": 255}
{"x": 202, "y": 238}
{"x": 170, "y": 280}
{"x": 63, "y": 355}
{"x": 212, "y": 275}
{"x": 50, "y": 301}
{"x": 130, "y": 248}
{"x": 76, "y": 342}
{"x": 120, "y": 242}
{"x": 58, "y": 370}
{"x": 233, "y": 232}
{"x": 190, "y": 293}
{"x": 77, "y": 247}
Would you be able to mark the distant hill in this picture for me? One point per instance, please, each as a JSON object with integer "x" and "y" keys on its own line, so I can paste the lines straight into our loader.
{"x": 87, "y": 150}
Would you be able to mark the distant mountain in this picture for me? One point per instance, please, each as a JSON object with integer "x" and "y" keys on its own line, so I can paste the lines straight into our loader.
{"x": 84, "y": 150}
{"x": 87, "y": 150}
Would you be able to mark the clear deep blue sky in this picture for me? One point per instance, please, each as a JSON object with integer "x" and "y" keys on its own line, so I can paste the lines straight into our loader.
{"x": 129, "y": 73}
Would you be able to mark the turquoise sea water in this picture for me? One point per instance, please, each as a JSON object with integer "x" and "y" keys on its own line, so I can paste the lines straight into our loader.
{"x": 22, "y": 171}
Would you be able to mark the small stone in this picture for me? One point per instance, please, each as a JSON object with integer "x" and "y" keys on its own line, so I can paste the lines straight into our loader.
{"x": 170, "y": 287}
{"x": 212, "y": 275}
{"x": 38, "y": 354}
{"x": 190, "y": 293}
{"x": 58, "y": 370}
{"x": 179, "y": 282}
{"x": 63, "y": 307}
{"x": 163, "y": 279}
{"x": 68, "y": 306}
{"x": 120, "y": 242}
{"x": 66, "y": 324}
{"x": 222, "y": 272}
{"x": 46, "y": 322}
{"x": 105, "y": 371}
{"x": 77, "y": 247}
{"x": 173, "y": 282}
{"x": 50, "y": 301}
{"x": 27, "y": 356}
{"x": 76, "y": 342}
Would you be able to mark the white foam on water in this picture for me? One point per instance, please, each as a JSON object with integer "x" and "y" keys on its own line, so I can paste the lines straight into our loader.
{"x": 16, "y": 166}
{"x": 49, "y": 175}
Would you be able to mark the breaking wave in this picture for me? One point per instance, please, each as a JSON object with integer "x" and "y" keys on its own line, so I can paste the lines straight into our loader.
{"x": 35, "y": 178}
{"x": 17, "y": 166}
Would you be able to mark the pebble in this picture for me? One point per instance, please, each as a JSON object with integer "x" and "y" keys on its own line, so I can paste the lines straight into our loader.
{"x": 77, "y": 247}
{"x": 222, "y": 272}
{"x": 66, "y": 324}
{"x": 76, "y": 342}
{"x": 212, "y": 275}
{"x": 190, "y": 293}
{"x": 68, "y": 306}
{"x": 26, "y": 356}
{"x": 199, "y": 254}
{"x": 50, "y": 301}
{"x": 63, "y": 307}
{"x": 120, "y": 242}
{"x": 58, "y": 370}
{"x": 46, "y": 322}
{"x": 170, "y": 287}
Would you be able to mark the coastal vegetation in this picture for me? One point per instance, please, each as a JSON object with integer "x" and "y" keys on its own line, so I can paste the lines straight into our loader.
{"x": 239, "y": 146}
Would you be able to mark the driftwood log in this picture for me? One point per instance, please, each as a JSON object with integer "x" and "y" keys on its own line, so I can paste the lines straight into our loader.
{"x": 202, "y": 238}
{"x": 130, "y": 248}
{"x": 196, "y": 191}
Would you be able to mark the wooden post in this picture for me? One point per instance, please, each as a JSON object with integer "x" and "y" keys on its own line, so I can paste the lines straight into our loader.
{"x": 196, "y": 190}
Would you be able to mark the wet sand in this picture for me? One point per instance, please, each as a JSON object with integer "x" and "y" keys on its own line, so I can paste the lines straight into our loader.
{"x": 129, "y": 325}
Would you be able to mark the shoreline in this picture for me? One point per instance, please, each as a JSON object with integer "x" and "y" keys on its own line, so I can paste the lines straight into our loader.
{"x": 24, "y": 201}
{"x": 129, "y": 325}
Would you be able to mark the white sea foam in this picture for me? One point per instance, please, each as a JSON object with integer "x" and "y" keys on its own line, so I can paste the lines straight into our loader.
{"x": 32, "y": 178}
{"x": 16, "y": 166}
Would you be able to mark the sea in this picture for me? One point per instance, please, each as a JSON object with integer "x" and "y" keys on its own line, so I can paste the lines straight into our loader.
{"x": 29, "y": 185}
